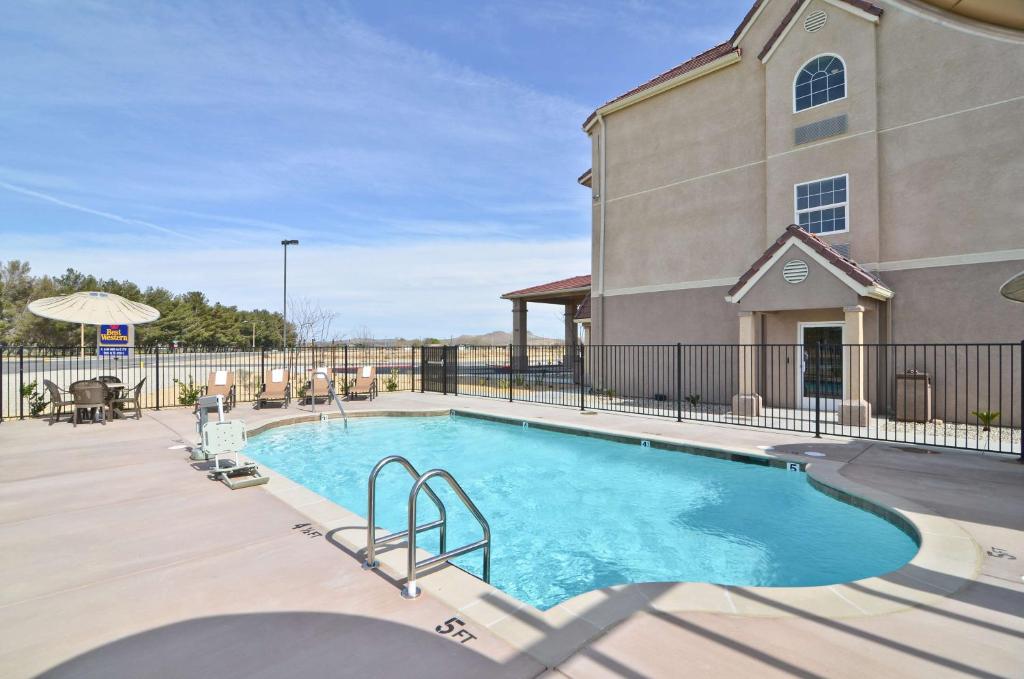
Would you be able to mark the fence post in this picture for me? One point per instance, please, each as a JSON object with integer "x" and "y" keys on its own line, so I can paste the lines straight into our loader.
{"x": 510, "y": 373}
{"x": 679, "y": 381}
{"x": 21, "y": 383}
{"x": 346, "y": 369}
{"x": 817, "y": 391}
{"x": 444, "y": 369}
{"x": 583, "y": 392}
{"x": 156, "y": 379}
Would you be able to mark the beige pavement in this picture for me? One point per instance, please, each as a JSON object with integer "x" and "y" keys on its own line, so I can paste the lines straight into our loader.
{"x": 117, "y": 558}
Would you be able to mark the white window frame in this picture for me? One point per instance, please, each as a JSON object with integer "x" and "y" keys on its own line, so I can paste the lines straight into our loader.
{"x": 846, "y": 203}
{"x": 846, "y": 82}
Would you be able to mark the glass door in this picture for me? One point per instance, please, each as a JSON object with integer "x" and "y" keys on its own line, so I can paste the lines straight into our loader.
{"x": 821, "y": 375}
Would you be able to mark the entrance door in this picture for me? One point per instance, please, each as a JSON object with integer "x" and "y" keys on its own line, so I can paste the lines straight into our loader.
{"x": 821, "y": 374}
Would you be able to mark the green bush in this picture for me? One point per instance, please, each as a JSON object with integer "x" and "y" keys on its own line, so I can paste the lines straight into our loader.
{"x": 986, "y": 417}
{"x": 36, "y": 402}
{"x": 188, "y": 392}
{"x": 391, "y": 383}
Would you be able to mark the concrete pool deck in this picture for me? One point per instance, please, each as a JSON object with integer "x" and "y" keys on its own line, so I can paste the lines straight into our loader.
{"x": 120, "y": 559}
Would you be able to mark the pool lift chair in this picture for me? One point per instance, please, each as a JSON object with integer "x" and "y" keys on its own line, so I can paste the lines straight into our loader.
{"x": 221, "y": 441}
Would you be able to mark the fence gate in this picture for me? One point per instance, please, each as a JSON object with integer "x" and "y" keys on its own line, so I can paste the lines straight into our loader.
{"x": 440, "y": 369}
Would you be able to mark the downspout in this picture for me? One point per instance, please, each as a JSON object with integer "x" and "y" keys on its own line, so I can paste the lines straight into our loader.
{"x": 602, "y": 188}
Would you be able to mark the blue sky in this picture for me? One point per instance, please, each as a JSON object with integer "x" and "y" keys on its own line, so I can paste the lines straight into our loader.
{"x": 425, "y": 154}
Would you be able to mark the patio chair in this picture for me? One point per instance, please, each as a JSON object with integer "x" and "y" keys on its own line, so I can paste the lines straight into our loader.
{"x": 90, "y": 395}
{"x": 133, "y": 400}
{"x": 317, "y": 387}
{"x": 221, "y": 383}
{"x": 276, "y": 387}
{"x": 365, "y": 384}
{"x": 222, "y": 444}
{"x": 57, "y": 400}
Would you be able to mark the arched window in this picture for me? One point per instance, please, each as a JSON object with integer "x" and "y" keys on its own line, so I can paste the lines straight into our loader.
{"x": 821, "y": 80}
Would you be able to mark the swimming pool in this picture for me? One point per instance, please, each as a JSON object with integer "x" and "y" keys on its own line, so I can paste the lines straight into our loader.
{"x": 572, "y": 513}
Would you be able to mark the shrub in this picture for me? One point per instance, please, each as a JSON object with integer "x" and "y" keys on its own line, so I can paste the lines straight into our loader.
{"x": 36, "y": 401}
{"x": 986, "y": 417}
{"x": 693, "y": 399}
{"x": 391, "y": 383}
{"x": 188, "y": 392}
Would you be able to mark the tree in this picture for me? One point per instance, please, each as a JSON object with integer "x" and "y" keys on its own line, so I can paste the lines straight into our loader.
{"x": 312, "y": 322}
{"x": 187, "y": 318}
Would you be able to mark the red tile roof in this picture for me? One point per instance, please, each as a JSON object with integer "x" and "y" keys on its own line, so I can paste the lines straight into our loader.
{"x": 726, "y": 47}
{"x": 791, "y": 14}
{"x": 554, "y": 286}
{"x": 844, "y": 264}
{"x": 583, "y": 312}
{"x": 685, "y": 67}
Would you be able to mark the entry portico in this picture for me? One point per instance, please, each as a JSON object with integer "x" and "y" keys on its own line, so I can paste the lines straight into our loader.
{"x": 803, "y": 290}
{"x": 568, "y": 292}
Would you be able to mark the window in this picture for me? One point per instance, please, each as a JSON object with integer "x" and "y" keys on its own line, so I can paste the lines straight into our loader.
{"x": 821, "y": 205}
{"x": 821, "y": 80}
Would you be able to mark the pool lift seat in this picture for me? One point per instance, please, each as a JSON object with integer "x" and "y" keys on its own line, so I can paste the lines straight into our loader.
{"x": 222, "y": 444}
{"x": 411, "y": 589}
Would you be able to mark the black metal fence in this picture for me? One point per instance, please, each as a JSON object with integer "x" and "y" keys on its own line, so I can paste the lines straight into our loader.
{"x": 962, "y": 395}
{"x": 174, "y": 376}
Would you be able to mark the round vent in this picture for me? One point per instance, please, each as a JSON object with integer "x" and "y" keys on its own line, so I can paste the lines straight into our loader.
{"x": 814, "y": 21}
{"x": 795, "y": 271}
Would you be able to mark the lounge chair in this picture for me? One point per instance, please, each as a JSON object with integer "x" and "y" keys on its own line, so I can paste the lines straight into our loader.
{"x": 318, "y": 387}
{"x": 90, "y": 395}
{"x": 221, "y": 383}
{"x": 58, "y": 399}
{"x": 223, "y": 443}
{"x": 365, "y": 384}
{"x": 132, "y": 400}
{"x": 276, "y": 387}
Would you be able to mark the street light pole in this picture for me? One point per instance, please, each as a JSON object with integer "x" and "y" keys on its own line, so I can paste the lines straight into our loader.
{"x": 284, "y": 330}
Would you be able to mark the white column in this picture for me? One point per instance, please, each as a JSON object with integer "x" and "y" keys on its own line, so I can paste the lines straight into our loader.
{"x": 747, "y": 403}
{"x": 854, "y": 410}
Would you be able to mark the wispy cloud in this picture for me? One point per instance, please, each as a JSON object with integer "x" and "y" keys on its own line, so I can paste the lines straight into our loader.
{"x": 128, "y": 221}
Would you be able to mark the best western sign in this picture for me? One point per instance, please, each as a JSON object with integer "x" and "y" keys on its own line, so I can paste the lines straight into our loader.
{"x": 115, "y": 340}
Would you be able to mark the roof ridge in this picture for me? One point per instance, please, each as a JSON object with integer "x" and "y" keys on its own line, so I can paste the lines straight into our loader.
{"x": 821, "y": 246}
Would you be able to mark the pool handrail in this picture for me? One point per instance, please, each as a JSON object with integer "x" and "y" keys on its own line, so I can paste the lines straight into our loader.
{"x": 372, "y": 542}
{"x": 411, "y": 590}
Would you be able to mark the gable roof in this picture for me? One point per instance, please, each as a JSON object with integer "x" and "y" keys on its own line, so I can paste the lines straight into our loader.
{"x": 575, "y": 283}
{"x": 731, "y": 46}
{"x": 863, "y": 281}
{"x": 862, "y": 5}
{"x": 584, "y": 178}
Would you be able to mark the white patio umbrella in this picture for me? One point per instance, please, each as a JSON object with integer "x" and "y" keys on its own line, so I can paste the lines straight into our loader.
{"x": 94, "y": 308}
{"x": 1014, "y": 288}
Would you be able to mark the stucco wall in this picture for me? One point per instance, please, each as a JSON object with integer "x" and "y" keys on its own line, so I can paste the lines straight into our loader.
{"x": 689, "y": 316}
{"x": 700, "y": 178}
{"x": 955, "y": 304}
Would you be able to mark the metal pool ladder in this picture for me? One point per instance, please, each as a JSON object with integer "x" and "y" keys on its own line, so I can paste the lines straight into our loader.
{"x": 411, "y": 590}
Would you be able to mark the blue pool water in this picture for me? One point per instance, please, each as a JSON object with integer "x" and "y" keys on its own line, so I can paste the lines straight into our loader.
{"x": 572, "y": 513}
